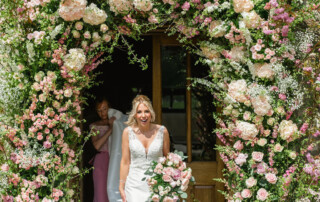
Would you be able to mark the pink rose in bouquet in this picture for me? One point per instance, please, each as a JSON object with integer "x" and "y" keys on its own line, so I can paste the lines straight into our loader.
{"x": 170, "y": 178}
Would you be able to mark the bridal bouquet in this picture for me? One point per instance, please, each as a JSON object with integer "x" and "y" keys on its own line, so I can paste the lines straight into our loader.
{"x": 170, "y": 178}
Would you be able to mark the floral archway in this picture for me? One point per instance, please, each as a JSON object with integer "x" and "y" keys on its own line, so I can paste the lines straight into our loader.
{"x": 264, "y": 61}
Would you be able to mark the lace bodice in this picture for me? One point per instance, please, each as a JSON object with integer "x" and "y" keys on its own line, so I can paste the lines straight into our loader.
{"x": 142, "y": 157}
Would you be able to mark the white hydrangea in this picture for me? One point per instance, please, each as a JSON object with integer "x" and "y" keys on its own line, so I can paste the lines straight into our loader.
{"x": 120, "y": 6}
{"x": 94, "y": 16}
{"x": 71, "y": 10}
{"x": 287, "y": 130}
{"x": 143, "y": 5}
{"x": 75, "y": 60}
{"x": 248, "y": 130}
{"x": 261, "y": 105}
{"x": 237, "y": 90}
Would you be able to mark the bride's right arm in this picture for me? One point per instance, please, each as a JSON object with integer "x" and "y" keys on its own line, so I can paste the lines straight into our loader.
{"x": 125, "y": 162}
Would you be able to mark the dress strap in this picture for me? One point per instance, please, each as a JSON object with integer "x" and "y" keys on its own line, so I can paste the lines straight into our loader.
{"x": 160, "y": 131}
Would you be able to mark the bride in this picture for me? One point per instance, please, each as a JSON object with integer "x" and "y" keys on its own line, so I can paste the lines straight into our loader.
{"x": 142, "y": 142}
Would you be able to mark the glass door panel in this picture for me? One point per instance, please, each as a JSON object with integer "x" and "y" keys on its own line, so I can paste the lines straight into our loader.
{"x": 173, "y": 71}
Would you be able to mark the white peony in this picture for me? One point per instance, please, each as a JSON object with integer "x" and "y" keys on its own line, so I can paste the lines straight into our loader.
{"x": 120, "y": 6}
{"x": 237, "y": 90}
{"x": 75, "y": 60}
{"x": 94, "y": 16}
{"x": 71, "y": 10}
{"x": 248, "y": 130}
{"x": 143, "y": 5}
{"x": 287, "y": 129}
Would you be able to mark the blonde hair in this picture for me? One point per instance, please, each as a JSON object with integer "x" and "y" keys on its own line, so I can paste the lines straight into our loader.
{"x": 140, "y": 99}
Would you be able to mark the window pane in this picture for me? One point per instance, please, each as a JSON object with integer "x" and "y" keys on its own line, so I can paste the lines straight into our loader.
{"x": 203, "y": 140}
{"x": 173, "y": 67}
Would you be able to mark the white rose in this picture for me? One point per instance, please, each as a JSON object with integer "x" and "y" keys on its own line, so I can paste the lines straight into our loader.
{"x": 261, "y": 142}
{"x": 250, "y": 182}
{"x": 270, "y": 121}
{"x": 246, "y": 115}
{"x": 75, "y": 170}
{"x": 293, "y": 155}
{"x": 96, "y": 36}
{"x": 75, "y": 60}
{"x": 76, "y": 34}
{"x": 257, "y": 156}
{"x": 278, "y": 148}
{"x": 104, "y": 28}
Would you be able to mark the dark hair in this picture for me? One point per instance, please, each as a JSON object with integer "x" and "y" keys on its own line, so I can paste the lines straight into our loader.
{"x": 102, "y": 99}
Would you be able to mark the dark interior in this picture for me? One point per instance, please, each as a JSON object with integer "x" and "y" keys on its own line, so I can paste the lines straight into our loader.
{"x": 121, "y": 83}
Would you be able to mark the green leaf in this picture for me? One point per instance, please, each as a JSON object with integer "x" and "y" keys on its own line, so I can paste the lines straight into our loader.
{"x": 184, "y": 195}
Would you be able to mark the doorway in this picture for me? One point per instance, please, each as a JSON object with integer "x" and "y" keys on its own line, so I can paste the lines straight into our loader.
{"x": 187, "y": 114}
{"x": 121, "y": 83}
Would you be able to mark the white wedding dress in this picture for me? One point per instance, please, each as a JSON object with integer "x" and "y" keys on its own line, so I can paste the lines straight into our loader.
{"x": 137, "y": 190}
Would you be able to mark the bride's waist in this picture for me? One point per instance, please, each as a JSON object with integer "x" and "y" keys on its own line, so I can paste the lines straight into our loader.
{"x": 138, "y": 169}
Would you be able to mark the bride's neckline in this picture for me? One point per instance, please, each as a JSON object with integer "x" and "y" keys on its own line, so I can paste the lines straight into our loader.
{"x": 155, "y": 136}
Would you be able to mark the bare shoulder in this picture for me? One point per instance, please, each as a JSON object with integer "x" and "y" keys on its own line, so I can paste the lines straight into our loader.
{"x": 126, "y": 131}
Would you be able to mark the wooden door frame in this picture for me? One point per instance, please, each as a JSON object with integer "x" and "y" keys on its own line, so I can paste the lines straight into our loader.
{"x": 159, "y": 39}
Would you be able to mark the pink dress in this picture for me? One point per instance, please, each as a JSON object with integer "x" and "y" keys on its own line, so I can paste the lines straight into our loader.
{"x": 100, "y": 172}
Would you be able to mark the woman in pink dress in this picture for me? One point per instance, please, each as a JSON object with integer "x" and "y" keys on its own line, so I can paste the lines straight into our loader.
{"x": 103, "y": 128}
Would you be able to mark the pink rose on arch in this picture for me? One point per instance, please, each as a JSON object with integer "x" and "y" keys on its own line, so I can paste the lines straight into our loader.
{"x": 185, "y": 6}
{"x": 262, "y": 167}
{"x": 241, "y": 159}
{"x": 250, "y": 182}
{"x": 246, "y": 193}
{"x": 238, "y": 145}
{"x": 47, "y": 144}
{"x": 262, "y": 194}
{"x": 257, "y": 156}
{"x": 7, "y": 198}
{"x": 271, "y": 178}
{"x": 5, "y": 167}
{"x": 282, "y": 96}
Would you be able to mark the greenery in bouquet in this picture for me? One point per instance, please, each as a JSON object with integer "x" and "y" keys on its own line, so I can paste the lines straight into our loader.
{"x": 169, "y": 178}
